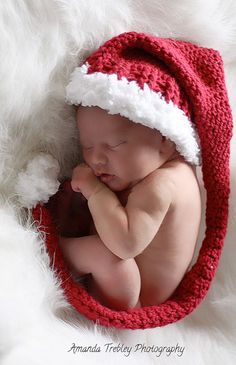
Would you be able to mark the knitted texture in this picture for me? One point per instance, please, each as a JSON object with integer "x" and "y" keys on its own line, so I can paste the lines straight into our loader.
{"x": 125, "y": 77}
{"x": 192, "y": 77}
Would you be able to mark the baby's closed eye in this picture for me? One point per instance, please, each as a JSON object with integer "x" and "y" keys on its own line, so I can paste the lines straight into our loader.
{"x": 110, "y": 146}
{"x": 117, "y": 145}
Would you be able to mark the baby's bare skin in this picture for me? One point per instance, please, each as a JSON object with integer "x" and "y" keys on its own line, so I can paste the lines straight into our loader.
{"x": 147, "y": 217}
{"x": 164, "y": 262}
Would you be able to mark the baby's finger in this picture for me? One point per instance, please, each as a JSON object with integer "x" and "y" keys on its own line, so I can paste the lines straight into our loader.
{"x": 83, "y": 164}
{"x": 75, "y": 187}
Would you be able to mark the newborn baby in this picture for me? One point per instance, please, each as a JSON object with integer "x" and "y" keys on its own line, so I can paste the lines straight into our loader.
{"x": 145, "y": 203}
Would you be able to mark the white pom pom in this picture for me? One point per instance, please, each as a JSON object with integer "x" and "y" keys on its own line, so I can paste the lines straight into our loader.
{"x": 38, "y": 181}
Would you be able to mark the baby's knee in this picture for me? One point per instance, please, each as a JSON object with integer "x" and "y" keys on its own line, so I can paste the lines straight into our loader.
{"x": 132, "y": 278}
{"x": 127, "y": 281}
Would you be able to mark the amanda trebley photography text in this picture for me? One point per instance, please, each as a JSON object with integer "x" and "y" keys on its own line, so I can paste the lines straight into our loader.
{"x": 110, "y": 347}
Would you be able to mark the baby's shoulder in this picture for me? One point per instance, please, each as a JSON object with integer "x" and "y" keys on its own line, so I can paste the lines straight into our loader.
{"x": 171, "y": 179}
{"x": 152, "y": 196}
{"x": 182, "y": 180}
{"x": 156, "y": 187}
{"x": 159, "y": 179}
{"x": 176, "y": 172}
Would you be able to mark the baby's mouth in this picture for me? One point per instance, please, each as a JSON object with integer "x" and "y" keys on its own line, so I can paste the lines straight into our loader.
{"x": 106, "y": 177}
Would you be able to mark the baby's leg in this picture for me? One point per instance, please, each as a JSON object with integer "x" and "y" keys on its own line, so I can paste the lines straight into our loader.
{"x": 115, "y": 282}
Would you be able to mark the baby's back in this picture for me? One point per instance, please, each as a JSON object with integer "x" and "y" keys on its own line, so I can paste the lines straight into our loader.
{"x": 164, "y": 262}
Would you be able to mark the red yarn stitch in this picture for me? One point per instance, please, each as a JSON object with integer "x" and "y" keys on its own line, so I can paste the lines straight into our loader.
{"x": 193, "y": 78}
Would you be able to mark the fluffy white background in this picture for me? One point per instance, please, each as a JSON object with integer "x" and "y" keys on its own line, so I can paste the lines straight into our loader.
{"x": 40, "y": 43}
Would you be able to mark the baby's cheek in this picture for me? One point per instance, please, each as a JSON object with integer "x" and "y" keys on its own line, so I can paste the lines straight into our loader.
{"x": 130, "y": 165}
{"x": 86, "y": 157}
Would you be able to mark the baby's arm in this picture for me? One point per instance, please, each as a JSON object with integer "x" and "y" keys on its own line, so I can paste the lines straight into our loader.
{"x": 127, "y": 231}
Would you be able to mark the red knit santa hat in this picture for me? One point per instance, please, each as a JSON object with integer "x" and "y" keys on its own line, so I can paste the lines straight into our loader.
{"x": 178, "y": 88}
{"x": 132, "y": 76}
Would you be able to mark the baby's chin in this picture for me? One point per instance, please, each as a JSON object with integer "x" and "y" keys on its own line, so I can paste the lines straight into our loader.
{"x": 119, "y": 184}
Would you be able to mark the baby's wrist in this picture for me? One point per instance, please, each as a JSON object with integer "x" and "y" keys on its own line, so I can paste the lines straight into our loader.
{"x": 90, "y": 193}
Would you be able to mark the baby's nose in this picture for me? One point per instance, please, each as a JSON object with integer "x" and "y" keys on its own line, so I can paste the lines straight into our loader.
{"x": 98, "y": 158}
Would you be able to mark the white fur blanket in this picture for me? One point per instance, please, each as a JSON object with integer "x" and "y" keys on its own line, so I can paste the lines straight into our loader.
{"x": 40, "y": 43}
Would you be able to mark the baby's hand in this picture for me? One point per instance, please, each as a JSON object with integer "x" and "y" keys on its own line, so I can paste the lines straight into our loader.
{"x": 84, "y": 180}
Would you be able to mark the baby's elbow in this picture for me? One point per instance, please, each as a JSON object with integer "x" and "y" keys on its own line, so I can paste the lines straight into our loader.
{"x": 131, "y": 249}
{"x": 130, "y": 254}
{"x": 125, "y": 255}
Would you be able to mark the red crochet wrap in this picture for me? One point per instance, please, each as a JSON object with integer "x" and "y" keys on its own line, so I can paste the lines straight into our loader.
{"x": 199, "y": 72}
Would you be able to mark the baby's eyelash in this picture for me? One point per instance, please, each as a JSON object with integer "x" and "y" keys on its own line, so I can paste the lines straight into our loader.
{"x": 89, "y": 148}
{"x": 118, "y": 144}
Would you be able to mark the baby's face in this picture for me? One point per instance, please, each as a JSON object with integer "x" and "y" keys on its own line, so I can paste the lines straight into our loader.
{"x": 113, "y": 145}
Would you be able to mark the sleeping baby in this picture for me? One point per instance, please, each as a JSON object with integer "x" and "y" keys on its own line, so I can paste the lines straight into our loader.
{"x": 145, "y": 203}
{"x": 138, "y": 109}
